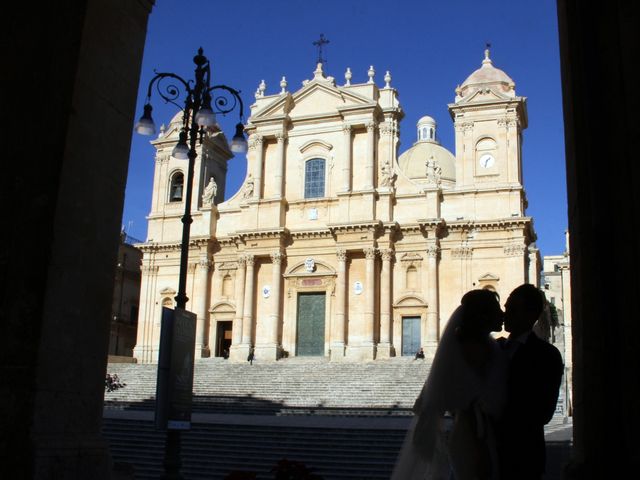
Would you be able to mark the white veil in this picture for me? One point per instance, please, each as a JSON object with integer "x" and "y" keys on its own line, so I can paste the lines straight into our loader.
{"x": 451, "y": 385}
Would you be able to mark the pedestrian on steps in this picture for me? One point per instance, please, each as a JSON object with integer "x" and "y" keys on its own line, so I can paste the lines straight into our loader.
{"x": 251, "y": 356}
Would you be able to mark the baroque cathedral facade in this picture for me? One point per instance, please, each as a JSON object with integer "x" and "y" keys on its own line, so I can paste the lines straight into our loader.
{"x": 335, "y": 246}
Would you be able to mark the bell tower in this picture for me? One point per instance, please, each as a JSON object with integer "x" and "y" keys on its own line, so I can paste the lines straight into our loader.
{"x": 489, "y": 118}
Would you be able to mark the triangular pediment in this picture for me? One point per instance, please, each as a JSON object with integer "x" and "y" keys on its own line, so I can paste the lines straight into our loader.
{"x": 489, "y": 277}
{"x": 316, "y": 98}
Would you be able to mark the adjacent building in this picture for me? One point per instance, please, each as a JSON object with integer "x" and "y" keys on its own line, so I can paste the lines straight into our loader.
{"x": 335, "y": 245}
{"x": 126, "y": 299}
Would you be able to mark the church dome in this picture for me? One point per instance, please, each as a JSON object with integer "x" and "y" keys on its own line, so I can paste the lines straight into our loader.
{"x": 413, "y": 162}
{"x": 487, "y": 75}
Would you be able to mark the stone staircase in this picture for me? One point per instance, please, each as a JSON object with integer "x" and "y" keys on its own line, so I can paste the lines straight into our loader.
{"x": 287, "y": 387}
{"x": 342, "y": 420}
{"x": 345, "y": 421}
{"x": 212, "y": 451}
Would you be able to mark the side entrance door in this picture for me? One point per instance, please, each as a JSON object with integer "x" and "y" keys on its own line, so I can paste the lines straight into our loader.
{"x": 224, "y": 338}
{"x": 310, "y": 330}
{"x": 410, "y": 335}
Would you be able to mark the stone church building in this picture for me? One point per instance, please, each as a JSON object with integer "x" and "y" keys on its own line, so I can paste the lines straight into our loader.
{"x": 334, "y": 245}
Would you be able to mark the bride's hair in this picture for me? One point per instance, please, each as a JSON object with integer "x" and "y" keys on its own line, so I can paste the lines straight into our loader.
{"x": 476, "y": 306}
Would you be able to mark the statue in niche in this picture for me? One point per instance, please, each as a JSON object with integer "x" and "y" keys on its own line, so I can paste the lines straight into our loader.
{"x": 209, "y": 195}
{"x": 248, "y": 187}
{"x": 387, "y": 177}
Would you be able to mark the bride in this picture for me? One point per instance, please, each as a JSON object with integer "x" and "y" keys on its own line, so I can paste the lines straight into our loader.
{"x": 451, "y": 435}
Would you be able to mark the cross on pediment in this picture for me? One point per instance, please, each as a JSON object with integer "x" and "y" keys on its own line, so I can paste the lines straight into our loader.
{"x": 319, "y": 44}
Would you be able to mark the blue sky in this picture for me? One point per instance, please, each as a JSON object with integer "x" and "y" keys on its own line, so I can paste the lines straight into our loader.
{"x": 428, "y": 46}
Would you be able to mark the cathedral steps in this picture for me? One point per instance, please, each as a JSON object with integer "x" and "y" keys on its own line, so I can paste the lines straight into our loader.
{"x": 346, "y": 421}
{"x": 289, "y": 387}
{"x": 212, "y": 451}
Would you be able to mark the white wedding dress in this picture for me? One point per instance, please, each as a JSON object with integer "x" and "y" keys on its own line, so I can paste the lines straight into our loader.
{"x": 439, "y": 447}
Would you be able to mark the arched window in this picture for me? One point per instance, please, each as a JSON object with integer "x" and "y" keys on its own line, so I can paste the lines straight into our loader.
{"x": 314, "y": 172}
{"x": 176, "y": 187}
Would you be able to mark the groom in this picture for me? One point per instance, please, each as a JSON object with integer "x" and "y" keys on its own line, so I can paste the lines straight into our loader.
{"x": 535, "y": 372}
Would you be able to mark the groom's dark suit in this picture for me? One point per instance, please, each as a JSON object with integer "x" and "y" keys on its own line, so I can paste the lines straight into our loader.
{"x": 535, "y": 372}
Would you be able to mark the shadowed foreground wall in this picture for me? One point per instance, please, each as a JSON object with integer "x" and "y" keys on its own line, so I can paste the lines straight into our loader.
{"x": 600, "y": 48}
{"x": 72, "y": 74}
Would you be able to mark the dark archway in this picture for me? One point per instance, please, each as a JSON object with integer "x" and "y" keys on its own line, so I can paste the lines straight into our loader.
{"x": 72, "y": 71}
{"x": 599, "y": 50}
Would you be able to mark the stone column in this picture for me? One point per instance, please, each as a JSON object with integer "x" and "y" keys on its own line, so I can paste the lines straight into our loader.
{"x": 202, "y": 350}
{"x": 433, "y": 311}
{"x": 346, "y": 165}
{"x": 237, "y": 352}
{"x": 268, "y": 348}
{"x": 337, "y": 336}
{"x": 257, "y": 172}
{"x": 370, "y": 160}
{"x": 279, "y": 167}
{"x": 247, "y": 317}
{"x": 384, "y": 346}
{"x": 370, "y": 299}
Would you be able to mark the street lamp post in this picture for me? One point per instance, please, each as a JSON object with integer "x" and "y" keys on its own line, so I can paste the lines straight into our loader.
{"x": 199, "y": 110}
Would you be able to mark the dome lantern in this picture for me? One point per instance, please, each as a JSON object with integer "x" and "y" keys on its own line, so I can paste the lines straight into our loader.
{"x": 427, "y": 130}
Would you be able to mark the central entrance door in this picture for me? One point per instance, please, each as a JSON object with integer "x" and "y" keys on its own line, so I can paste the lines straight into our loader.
{"x": 311, "y": 309}
{"x": 410, "y": 335}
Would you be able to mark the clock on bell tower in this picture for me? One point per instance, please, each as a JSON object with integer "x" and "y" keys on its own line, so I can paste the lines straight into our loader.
{"x": 489, "y": 118}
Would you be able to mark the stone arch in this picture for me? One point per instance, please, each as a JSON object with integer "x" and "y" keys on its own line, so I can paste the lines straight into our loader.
{"x": 321, "y": 268}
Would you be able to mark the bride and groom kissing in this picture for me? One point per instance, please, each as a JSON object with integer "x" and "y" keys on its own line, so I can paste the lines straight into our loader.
{"x": 482, "y": 410}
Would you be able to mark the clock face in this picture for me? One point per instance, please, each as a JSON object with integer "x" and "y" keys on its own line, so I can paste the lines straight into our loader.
{"x": 487, "y": 160}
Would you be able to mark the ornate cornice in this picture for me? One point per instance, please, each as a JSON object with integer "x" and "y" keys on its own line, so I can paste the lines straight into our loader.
{"x": 171, "y": 247}
{"x": 307, "y": 234}
{"x": 435, "y": 225}
{"x": 248, "y": 235}
{"x": 375, "y": 226}
{"x": 490, "y": 225}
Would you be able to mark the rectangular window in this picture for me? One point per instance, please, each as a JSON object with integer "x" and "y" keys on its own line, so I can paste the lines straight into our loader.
{"x": 314, "y": 178}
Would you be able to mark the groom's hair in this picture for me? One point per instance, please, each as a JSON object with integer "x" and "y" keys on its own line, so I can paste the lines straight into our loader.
{"x": 532, "y": 298}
